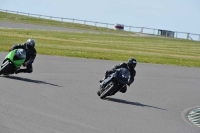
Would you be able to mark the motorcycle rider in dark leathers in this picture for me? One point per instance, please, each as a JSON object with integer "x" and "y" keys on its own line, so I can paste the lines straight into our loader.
{"x": 29, "y": 46}
{"x": 130, "y": 65}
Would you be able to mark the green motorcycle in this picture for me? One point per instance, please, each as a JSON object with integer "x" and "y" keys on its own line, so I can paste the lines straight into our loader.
{"x": 13, "y": 61}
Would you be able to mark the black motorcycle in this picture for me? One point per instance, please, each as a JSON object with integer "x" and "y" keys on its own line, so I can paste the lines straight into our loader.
{"x": 114, "y": 82}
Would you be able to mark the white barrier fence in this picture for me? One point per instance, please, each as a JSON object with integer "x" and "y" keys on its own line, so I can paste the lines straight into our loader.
{"x": 140, "y": 30}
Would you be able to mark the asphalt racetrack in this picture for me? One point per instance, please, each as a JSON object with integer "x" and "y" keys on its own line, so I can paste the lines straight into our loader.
{"x": 60, "y": 97}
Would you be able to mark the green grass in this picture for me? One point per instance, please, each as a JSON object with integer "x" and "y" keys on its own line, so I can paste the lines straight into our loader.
{"x": 109, "y": 47}
{"x": 105, "y": 46}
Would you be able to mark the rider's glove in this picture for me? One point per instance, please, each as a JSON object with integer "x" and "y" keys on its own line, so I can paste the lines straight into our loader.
{"x": 128, "y": 84}
{"x": 24, "y": 64}
{"x": 10, "y": 49}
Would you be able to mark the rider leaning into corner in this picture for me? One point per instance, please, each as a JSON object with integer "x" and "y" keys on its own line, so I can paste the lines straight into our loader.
{"x": 130, "y": 65}
{"x": 29, "y": 46}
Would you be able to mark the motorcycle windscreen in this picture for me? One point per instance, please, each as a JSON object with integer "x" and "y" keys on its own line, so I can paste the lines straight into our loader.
{"x": 123, "y": 75}
{"x": 19, "y": 57}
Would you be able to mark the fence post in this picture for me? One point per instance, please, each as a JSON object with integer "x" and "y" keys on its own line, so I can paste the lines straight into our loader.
{"x": 61, "y": 19}
{"x": 176, "y": 34}
{"x": 107, "y": 26}
{"x": 188, "y": 36}
{"x": 95, "y": 24}
{"x": 154, "y": 31}
{"x": 141, "y": 29}
{"x": 130, "y": 28}
{"x": 84, "y": 22}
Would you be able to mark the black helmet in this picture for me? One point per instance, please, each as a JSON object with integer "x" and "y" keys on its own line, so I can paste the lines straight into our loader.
{"x": 30, "y": 43}
{"x": 131, "y": 63}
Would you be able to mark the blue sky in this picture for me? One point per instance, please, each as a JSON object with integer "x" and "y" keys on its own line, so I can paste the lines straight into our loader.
{"x": 175, "y": 15}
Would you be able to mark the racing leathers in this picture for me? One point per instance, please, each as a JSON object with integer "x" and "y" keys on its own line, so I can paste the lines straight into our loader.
{"x": 30, "y": 57}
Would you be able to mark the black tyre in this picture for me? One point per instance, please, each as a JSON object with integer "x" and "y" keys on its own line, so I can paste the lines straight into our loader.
{"x": 6, "y": 67}
{"x": 108, "y": 89}
{"x": 98, "y": 93}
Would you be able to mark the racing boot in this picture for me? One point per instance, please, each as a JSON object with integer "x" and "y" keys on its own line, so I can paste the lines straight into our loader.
{"x": 123, "y": 90}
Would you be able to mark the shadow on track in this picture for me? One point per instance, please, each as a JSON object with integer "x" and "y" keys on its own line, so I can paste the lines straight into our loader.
{"x": 30, "y": 80}
{"x": 131, "y": 103}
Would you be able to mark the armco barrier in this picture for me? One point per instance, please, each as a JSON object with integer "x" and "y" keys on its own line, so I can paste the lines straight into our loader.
{"x": 140, "y": 30}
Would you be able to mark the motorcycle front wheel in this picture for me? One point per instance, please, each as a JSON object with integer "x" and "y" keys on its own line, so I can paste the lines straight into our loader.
{"x": 6, "y": 67}
{"x": 107, "y": 90}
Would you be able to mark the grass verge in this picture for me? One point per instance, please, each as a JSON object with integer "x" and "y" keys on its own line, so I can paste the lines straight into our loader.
{"x": 107, "y": 47}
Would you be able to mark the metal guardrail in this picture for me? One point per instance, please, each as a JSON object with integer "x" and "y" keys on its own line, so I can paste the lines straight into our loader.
{"x": 140, "y": 30}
